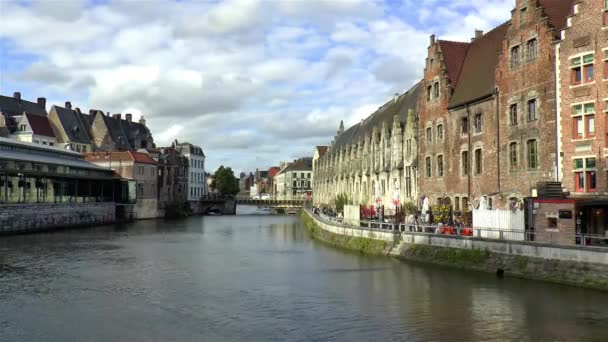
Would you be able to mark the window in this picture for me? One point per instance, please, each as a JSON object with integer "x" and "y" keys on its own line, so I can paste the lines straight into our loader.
{"x": 439, "y": 132}
{"x": 582, "y": 69}
{"x": 515, "y": 56}
{"x": 585, "y": 175}
{"x": 605, "y": 18}
{"x": 465, "y": 162}
{"x": 532, "y": 48}
{"x": 428, "y": 93}
{"x": 43, "y": 142}
{"x": 429, "y": 135}
{"x": 583, "y": 121}
{"x": 38, "y": 142}
{"x": 436, "y": 90}
{"x": 439, "y": 166}
{"x": 522, "y": 16}
{"x": 513, "y": 114}
{"x": 428, "y": 167}
{"x": 532, "y": 155}
{"x": 464, "y": 124}
{"x": 295, "y": 184}
{"x": 408, "y": 181}
{"x": 606, "y": 57}
{"x": 532, "y": 110}
{"x": 513, "y": 156}
{"x": 408, "y": 147}
{"x": 465, "y": 203}
{"x": 478, "y": 161}
{"x": 53, "y": 144}
{"x": 22, "y": 128}
{"x": 457, "y": 203}
{"x": 478, "y": 123}
{"x": 84, "y": 148}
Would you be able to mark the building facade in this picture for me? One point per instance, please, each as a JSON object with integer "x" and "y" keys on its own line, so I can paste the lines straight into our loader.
{"x": 197, "y": 183}
{"x": 173, "y": 170}
{"x": 138, "y": 167}
{"x": 375, "y": 160}
{"x": 294, "y": 181}
{"x": 582, "y": 102}
{"x": 72, "y": 128}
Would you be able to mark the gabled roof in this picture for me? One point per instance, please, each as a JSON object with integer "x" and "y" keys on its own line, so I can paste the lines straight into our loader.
{"x": 127, "y": 156}
{"x": 120, "y": 139}
{"x": 384, "y": 114}
{"x": 40, "y": 125}
{"x": 132, "y": 130}
{"x": 557, "y": 11}
{"x": 186, "y": 147}
{"x": 453, "y": 57}
{"x": 273, "y": 171}
{"x": 12, "y": 106}
{"x": 76, "y": 125}
{"x": 478, "y": 75}
{"x": 302, "y": 164}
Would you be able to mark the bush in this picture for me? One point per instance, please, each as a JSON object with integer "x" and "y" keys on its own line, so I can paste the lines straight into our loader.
{"x": 340, "y": 201}
{"x": 442, "y": 213}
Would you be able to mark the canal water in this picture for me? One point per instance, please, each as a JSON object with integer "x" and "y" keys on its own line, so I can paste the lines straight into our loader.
{"x": 261, "y": 278}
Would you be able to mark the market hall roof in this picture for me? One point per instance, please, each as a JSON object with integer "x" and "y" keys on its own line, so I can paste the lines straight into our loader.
{"x": 384, "y": 114}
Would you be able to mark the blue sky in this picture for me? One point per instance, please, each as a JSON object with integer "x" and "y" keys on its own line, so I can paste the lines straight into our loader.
{"x": 252, "y": 82}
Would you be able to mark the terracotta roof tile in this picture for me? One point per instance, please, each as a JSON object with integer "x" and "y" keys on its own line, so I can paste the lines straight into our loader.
{"x": 453, "y": 57}
{"x": 40, "y": 125}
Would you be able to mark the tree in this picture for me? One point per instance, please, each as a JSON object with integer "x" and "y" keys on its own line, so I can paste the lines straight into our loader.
{"x": 340, "y": 201}
{"x": 225, "y": 182}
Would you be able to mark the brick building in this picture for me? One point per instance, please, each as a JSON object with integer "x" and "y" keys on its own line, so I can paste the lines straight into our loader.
{"x": 582, "y": 74}
{"x": 487, "y": 116}
{"x": 173, "y": 169}
{"x": 137, "y": 166}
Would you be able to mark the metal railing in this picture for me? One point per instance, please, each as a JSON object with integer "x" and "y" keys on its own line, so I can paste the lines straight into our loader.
{"x": 540, "y": 236}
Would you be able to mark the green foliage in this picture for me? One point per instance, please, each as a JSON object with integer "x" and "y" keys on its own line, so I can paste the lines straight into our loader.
{"x": 409, "y": 208}
{"x": 340, "y": 201}
{"x": 225, "y": 182}
{"x": 441, "y": 213}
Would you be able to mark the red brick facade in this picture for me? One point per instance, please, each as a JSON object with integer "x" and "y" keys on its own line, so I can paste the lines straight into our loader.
{"x": 583, "y": 100}
{"x": 498, "y": 116}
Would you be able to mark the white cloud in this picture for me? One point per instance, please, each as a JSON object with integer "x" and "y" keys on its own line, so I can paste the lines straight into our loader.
{"x": 252, "y": 82}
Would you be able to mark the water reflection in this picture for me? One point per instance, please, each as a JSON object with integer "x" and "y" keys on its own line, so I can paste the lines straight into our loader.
{"x": 261, "y": 278}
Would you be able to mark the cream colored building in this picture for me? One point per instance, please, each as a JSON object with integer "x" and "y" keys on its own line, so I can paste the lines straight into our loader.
{"x": 382, "y": 150}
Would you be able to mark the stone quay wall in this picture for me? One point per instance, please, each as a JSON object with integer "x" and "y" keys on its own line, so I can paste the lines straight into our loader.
{"x": 25, "y": 218}
{"x": 571, "y": 265}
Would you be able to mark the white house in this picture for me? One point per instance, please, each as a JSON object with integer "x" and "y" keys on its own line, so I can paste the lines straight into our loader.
{"x": 294, "y": 180}
{"x": 35, "y": 129}
{"x": 197, "y": 182}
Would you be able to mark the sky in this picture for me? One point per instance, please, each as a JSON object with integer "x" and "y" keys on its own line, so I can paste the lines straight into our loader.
{"x": 251, "y": 82}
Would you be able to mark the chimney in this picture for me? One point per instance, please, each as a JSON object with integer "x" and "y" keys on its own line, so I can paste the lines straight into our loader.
{"x": 142, "y": 120}
{"x": 116, "y": 116}
{"x": 78, "y": 110}
{"x": 108, "y": 114}
{"x": 432, "y": 39}
{"x": 17, "y": 95}
{"x": 395, "y": 97}
{"x": 68, "y": 105}
{"x": 478, "y": 34}
{"x": 129, "y": 117}
{"x": 42, "y": 102}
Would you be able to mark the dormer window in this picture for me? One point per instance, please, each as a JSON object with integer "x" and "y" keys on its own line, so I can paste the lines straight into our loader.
{"x": 22, "y": 128}
{"x": 515, "y": 57}
{"x": 436, "y": 90}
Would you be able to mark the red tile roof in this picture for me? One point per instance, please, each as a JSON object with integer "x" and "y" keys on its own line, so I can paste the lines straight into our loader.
{"x": 40, "y": 125}
{"x": 453, "y": 57}
{"x": 128, "y": 156}
{"x": 557, "y": 11}
{"x": 273, "y": 171}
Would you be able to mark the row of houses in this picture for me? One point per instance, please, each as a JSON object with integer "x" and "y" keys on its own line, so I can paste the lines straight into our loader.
{"x": 117, "y": 157}
{"x": 512, "y": 114}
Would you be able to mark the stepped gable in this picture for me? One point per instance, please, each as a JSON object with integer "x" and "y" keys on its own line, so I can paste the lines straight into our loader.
{"x": 76, "y": 125}
{"x": 477, "y": 79}
{"x": 383, "y": 115}
{"x": 454, "y": 54}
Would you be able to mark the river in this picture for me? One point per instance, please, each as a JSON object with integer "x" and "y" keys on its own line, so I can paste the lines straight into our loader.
{"x": 262, "y": 278}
